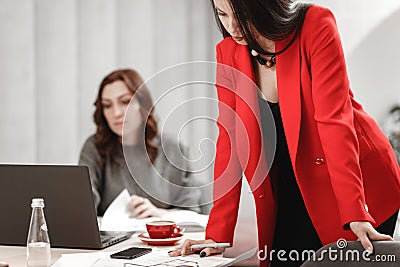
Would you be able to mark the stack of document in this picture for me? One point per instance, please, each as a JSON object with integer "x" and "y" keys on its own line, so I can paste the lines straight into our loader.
{"x": 157, "y": 258}
{"x": 190, "y": 220}
{"x": 116, "y": 217}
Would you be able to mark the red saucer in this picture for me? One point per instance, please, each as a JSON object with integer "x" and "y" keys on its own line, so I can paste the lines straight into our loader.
{"x": 144, "y": 237}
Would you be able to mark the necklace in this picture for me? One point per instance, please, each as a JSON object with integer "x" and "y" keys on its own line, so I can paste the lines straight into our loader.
{"x": 269, "y": 63}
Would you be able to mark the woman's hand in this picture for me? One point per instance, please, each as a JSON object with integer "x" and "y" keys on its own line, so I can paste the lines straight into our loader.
{"x": 185, "y": 249}
{"x": 141, "y": 207}
{"x": 365, "y": 232}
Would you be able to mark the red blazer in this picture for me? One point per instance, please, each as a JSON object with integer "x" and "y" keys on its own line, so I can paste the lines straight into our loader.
{"x": 344, "y": 165}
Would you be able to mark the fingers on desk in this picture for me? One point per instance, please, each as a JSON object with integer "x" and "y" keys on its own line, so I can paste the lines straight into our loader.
{"x": 185, "y": 248}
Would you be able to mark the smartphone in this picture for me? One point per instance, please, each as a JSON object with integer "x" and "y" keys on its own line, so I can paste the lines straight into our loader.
{"x": 130, "y": 253}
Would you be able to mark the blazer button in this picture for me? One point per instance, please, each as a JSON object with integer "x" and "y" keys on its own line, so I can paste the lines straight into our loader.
{"x": 319, "y": 161}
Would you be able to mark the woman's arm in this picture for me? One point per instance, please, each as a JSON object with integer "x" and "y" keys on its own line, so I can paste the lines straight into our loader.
{"x": 227, "y": 169}
{"x": 335, "y": 121}
{"x": 334, "y": 117}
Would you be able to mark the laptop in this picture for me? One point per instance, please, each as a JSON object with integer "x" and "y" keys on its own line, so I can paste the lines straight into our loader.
{"x": 69, "y": 208}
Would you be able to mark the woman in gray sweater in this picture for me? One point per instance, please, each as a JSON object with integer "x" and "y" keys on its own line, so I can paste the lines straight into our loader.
{"x": 126, "y": 152}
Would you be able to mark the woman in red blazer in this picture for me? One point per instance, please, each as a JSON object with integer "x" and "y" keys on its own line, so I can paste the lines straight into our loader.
{"x": 334, "y": 174}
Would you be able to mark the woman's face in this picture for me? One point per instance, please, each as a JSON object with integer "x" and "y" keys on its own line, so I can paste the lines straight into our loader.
{"x": 115, "y": 100}
{"x": 228, "y": 20}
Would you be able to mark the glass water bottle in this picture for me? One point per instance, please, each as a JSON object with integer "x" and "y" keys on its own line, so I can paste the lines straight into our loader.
{"x": 38, "y": 244}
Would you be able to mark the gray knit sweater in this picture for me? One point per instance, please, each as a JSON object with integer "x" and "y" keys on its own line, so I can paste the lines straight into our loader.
{"x": 163, "y": 183}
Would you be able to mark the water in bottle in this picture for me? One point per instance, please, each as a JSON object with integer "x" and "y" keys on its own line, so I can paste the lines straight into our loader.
{"x": 38, "y": 243}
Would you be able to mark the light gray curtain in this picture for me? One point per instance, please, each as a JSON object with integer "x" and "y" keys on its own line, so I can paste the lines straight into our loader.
{"x": 53, "y": 55}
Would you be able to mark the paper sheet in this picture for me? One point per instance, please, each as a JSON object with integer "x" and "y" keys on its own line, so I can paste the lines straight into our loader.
{"x": 157, "y": 258}
{"x": 116, "y": 217}
{"x": 80, "y": 259}
{"x": 186, "y": 217}
{"x": 161, "y": 259}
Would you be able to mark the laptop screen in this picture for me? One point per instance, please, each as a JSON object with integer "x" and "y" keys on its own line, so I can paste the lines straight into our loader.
{"x": 69, "y": 208}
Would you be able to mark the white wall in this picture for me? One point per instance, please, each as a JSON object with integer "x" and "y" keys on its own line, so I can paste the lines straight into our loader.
{"x": 54, "y": 54}
{"x": 371, "y": 41}
{"x": 18, "y": 119}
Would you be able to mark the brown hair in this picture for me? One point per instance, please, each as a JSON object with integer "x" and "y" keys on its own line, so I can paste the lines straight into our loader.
{"x": 107, "y": 142}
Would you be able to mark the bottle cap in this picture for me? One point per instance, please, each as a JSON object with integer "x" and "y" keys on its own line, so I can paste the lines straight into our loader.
{"x": 37, "y": 203}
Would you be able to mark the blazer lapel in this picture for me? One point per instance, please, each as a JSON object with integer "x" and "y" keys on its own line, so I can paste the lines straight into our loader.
{"x": 288, "y": 81}
{"x": 252, "y": 157}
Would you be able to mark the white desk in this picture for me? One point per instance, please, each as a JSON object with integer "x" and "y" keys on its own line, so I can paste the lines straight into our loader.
{"x": 15, "y": 256}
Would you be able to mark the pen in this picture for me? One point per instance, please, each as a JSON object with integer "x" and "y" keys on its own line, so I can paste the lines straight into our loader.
{"x": 210, "y": 245}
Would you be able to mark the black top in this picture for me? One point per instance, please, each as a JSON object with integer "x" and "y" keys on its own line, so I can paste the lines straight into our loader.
{"x": 294, "y": 229}
{"x": 284, "y": 181}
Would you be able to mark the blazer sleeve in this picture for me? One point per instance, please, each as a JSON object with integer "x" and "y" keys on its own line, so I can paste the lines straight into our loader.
{"x": 227, "y": 170}
{"x": 334, "y": 116}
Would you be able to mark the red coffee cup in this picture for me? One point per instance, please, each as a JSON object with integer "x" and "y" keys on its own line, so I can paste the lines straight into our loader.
{"x": 162, "y": 229}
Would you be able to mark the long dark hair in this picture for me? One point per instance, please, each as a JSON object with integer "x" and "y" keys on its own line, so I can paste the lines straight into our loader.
{"x": 274, "y": 19}
{"x": 107, "y": 142}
